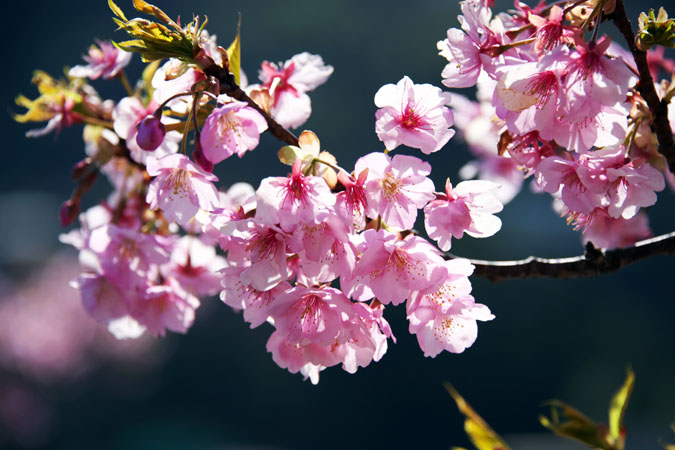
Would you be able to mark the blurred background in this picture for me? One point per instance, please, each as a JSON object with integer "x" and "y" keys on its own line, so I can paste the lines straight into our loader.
{"x": 66, "y": 384}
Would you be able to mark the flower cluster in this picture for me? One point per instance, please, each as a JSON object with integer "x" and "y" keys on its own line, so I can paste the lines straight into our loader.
{"x": 560, "y": 108}
{"x": 320, "y": 254}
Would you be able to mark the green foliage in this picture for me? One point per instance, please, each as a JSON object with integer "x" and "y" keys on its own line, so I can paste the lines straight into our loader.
{"x": 564, "y": 421}
{"x": 655, "y": 30}
{"x": 155, "y": 41}
{"x": 480, "y": 433}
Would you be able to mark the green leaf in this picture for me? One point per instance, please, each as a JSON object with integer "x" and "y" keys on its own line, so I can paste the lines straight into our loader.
{"x": 116, "y": 10}
{"x": 480, "y": 433}
{"x": 151, "y": 39}
{"x": 617, "y": 408}
{"x": 655, "y": 30}
{"x": 570, "y": 423}
{"x": 148, "y": 73}
{"x": 234, "y": 55}
{"x": 152, "y": 10}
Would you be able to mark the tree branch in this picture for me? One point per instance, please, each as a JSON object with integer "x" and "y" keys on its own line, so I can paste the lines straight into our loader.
{"x": 229, "y": 86}
{"x": 646, "y": 88}
{"x": 593, "y": 262}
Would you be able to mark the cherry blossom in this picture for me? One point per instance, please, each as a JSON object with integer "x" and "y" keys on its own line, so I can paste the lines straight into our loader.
{"x": 293, "y": 200}
{"x": 392, "y": 269}
{"x": 103, "y": 61}
{"x": 195, "y": 265}
{"x": 468, "y": 208}
{"x": 288, "y": 84}
{"x": 229, "y": 129}
{"x": 465, "y": 49}
{"x": 414, "y": 115}
{"x": 262, "y": 250}
{"x": 165, "y": 307}
{"x": 632, "y": 187}
{"x": 444, "y": 318}
{"x": 180, "y": 188}
{"x": 395, "y": 187}
{"x": 605, "y": 231}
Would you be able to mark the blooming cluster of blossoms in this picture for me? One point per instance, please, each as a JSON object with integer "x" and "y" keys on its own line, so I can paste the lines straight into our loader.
{"x": 319, "y": 254}
{"x": 560, "y": 108}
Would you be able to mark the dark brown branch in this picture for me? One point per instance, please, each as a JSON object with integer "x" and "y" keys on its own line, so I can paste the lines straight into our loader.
{"x": 229, "y": 86}
{"x": 593, "y": 262}
{"x": 646, "y": 88}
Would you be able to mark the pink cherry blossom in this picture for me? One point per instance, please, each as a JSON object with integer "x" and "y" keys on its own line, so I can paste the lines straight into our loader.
{"x": 605, "y": 231}
{"x": 180, "y": 188}
{"x": 165, "y": 307}
{"x": 465, "y": 49}
{"x": 309, "y": 315}
{"x": 395, "y": 188}
{"x": 101, "y": 299}
{"x": 288, "y": 84}
{"x": 262, "y": 249}
{"x": 587, "y": 123}
{"x": 367, "y": 340}
{"x": 592, "y": 73}
{"x": 165, "y": 84}
{"x": 105, "y": 61}
{"x": 351, "y": 203}
{"x": 583, "y": 180}
{"x": 292, "y": 200}
{"x": 414, "y": 115}
{"x": 444, "y": 318}
{"x": 325, "y": 248}
{"x": 550, "y": 32}
{"x": 392, "y": 269}
{"x": 127, "y": 257}
{"x": 632, "y": 187}
{"x": 320, "y": 326}
{"x": 467, "y": 208}
{"x": 529, "y": 94}
{"x": 195, "y": 265}
{"x": 229, "y": 129}
{"x": 241, "y": 296}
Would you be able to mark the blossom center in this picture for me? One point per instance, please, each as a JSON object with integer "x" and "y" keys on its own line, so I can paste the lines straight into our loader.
{"x": 296, "y": 189}
{"x": 390, "y": 185}
{"x": 264, "y": 245}
{"x": 410, "y": 119}
{"x": 178, "y": 181}
{"x": 544, "y": 85}
{"x": 228, "y": 122}
{"x": 401, "y": 260}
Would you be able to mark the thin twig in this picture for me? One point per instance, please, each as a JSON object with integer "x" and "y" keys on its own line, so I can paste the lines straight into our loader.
{"x": 658, "y": 108}
{"x": 593, "y": 262}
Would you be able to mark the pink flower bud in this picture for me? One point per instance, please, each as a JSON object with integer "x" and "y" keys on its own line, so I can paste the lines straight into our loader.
{"x": 200, "y": 159}
{"x": 68, "y": 212}
{"x": 80, "y": 168}
{"x": 151, "y": 133}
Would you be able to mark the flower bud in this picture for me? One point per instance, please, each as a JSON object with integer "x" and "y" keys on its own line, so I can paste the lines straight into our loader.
{"x": 68, "y": 212}
{"x": 200, "y": 159}
{"x": 80, "y": 168}
{"x": 151, "y": 132}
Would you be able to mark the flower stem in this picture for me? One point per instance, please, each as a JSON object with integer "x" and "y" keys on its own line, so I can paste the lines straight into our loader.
{"x": 125, "y": 82}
